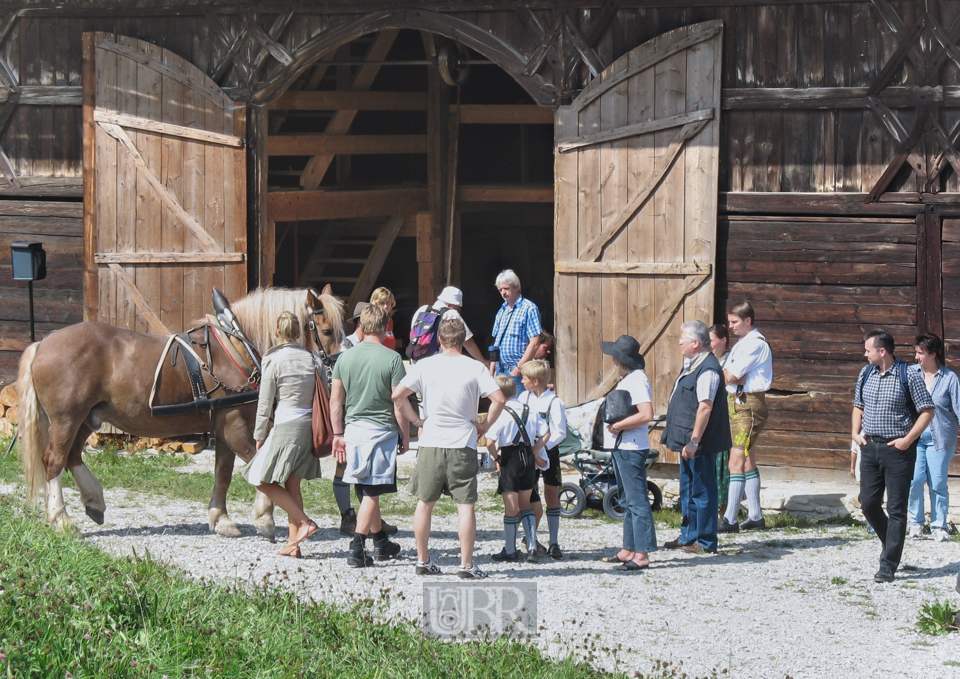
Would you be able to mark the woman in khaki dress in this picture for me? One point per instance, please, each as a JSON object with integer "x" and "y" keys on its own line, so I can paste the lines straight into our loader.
{"x": 285, "y": 455}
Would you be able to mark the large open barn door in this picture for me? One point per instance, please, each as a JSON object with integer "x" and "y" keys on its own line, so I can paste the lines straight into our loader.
{"x": 636, "y": 209}
{"x": 164, "y": 187}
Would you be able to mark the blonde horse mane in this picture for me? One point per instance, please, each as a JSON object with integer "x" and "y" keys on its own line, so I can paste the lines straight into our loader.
{"x": 257, "y": 314}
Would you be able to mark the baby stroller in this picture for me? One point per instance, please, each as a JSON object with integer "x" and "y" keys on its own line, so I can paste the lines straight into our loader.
{"x": 597, "y": 486}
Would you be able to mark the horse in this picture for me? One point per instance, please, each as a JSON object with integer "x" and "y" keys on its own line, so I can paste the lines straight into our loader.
{"x": 85, "y": 374}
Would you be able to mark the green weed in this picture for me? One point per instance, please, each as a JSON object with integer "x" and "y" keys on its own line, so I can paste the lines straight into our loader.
{"x": 936, "y": 617}
{"x": 838, "y": 580}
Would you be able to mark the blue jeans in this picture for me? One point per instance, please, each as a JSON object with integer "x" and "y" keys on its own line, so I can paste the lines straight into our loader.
{"x": 930, "y": 469}
{"x": 698, "y": 501}
{"x": 630, "y": 467}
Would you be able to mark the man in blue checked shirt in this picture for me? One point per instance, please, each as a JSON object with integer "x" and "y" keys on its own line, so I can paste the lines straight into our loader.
{"x": 891, "y": 408}
{"x": 516, "y": 331}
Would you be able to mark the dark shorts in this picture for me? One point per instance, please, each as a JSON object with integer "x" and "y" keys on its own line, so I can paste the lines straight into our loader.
{"x": 518, "y": 471}
{"x": 374, "y": 490}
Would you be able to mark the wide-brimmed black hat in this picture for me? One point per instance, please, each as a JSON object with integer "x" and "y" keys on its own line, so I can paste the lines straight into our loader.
{"x": 626, "y": 350}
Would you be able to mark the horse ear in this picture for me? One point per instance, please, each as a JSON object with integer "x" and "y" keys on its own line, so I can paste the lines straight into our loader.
{"x": 327, "y": 290}
{"x": 312, "y": 300}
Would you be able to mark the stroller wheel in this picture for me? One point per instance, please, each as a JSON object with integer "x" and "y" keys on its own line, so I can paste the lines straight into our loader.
{"x": 655, "y": 496}
{"x": 611, "y": 504}
{"x": 572, "y": 500}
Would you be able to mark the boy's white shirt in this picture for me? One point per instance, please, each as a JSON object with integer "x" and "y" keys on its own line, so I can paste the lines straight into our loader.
{"x": 505, "y": 429}
{"x": 551, "y": 404}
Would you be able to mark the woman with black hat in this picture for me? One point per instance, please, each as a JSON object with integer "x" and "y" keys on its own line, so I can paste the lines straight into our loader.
{"x": 627, "y": 438}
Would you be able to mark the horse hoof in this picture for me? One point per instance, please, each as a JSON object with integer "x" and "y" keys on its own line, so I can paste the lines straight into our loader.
{"x": 228, "y": 529}
{"x": 267, "y": 529}
{"x": 96, "y": 515}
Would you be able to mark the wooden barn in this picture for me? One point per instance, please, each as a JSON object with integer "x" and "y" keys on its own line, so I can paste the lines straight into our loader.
{"x": 638, "y": 163}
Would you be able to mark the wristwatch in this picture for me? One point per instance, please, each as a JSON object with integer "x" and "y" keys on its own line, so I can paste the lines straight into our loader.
{"x": 694, "y": 444}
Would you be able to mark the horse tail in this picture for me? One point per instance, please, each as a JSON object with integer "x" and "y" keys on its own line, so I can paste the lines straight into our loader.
{"x": 32, "y": 424}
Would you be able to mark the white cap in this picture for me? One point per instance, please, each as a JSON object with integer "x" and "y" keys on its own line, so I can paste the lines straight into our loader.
{"x": 451, "y": 295}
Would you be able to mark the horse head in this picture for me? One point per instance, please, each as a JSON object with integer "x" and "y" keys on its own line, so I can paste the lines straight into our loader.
{"x": 257, "y": 315}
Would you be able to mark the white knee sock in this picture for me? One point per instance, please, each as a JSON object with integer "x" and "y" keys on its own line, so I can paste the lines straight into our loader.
{"x": 553, "y": 524}
{"x": 752, "y": 482}
{"x": 529, "y": 522}
{"x": 510, "y": 524}
{"x": 733, "y": 497}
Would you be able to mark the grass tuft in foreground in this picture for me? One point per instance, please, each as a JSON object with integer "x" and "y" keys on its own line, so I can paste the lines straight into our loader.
{"x": 937, "y": 617}
{"x": 68, "y": 609}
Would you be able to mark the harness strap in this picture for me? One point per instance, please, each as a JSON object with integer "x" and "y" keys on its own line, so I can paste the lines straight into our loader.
{"x": 189, "y": 356}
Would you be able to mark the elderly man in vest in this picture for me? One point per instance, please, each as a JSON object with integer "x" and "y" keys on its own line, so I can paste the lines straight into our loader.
{"x": 698, "y": 431}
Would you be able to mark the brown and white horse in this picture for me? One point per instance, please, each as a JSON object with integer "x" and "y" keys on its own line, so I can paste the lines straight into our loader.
{"x": 89, "y": 373}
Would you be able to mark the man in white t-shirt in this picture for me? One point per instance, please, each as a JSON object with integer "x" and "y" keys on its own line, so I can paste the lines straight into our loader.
{"x": 451, "y": 385}
{"x": 450, "y": 299}
{"x": 748, "y": 373}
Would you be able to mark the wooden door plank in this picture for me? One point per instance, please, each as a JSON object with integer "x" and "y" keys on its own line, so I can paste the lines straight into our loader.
{"x": 647, "y": 127}
{"x": 235, "y": 193}
{"x": 168, "y": 257}
{"x": 213, "y": 208}
{"x": 171, "y": 229}
{"x": 614, "y": 192}
{"x": 193, "y": 197}
{"x": 149, "y": 207}
{"x": 566, "y": 225}
{"x": 627, "y": 268}
{"x": 669, "y": 209}
{"x": 590, "y": 362}
{"x": 126, "y": 184}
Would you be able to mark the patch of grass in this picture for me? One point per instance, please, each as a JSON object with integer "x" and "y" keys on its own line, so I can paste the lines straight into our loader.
{"x": 838, "y": 580}
{"x": 952, "y": 663}
{"x": 669, "y": 516}
{"x": 157, "y": 474}
{"x": 936, "y": 617}
{"x": 782, "y": 520}
{"x": 69, "y": 609}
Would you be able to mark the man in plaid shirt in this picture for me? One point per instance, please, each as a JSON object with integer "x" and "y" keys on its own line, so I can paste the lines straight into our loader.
{"x": 888, "y": 418}
{"x": 516, "y": 330}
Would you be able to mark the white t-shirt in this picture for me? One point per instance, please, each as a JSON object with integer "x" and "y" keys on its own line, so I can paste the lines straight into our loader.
{"x": 751, "y": 356}
{"x": 449, "y": 313}
{"x": 633, "y": 439}
{"x": 451, "y": 387}
{"x": 556, "y": 416}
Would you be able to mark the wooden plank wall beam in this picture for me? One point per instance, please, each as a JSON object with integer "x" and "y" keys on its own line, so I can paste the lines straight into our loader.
{"x": 431, "y": 269}
{"x": 91, "y": 279}
{"x": 292, "y": 206}
{"x": 352, "y": 144}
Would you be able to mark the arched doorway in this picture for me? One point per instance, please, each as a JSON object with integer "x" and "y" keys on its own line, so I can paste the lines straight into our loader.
{"x": 379, "y": 173}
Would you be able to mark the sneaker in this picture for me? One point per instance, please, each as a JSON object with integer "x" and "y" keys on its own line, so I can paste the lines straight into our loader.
{"x": 871, "y": 530}
{"x": 554, "y": 552}
{"x": 940, "y": 534}
{"x": 915, "y": 531}
{"x": 533, "y": 555}
{"x": 386, "y": 549}
{"x": 472, "y": 573}
{"x": 503, "y": 555}
{"x": 387, "y": 528}
{"x": 726, "y": 527}
{"x": 751, "y": 524}
{"x": 428, "y": 568}
{"x": 348, "y": 523}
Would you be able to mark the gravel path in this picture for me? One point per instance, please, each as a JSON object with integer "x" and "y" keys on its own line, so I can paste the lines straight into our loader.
{"x": 797, "y": 603}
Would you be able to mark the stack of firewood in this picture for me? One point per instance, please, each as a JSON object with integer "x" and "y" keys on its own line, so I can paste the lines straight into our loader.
{"x": 8, "y": 409}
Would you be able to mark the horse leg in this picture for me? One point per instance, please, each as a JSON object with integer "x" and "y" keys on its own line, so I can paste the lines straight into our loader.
{"x": 263, "y": 517}
{"x": 91, "y": 492}
{"x": 62, "y": 436}
{"x": 220, "y": 521}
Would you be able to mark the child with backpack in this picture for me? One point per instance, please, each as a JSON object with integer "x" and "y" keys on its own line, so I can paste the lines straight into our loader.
{"x": 540, "y": 398}
{"x": 517, "y": 440}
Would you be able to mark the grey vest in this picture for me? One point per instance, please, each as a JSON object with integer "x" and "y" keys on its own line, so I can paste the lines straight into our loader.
{"x": 682, "y": 413}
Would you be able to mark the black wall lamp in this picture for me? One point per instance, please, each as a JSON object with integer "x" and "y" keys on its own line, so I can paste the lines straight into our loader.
{"x": 29, "y": 264}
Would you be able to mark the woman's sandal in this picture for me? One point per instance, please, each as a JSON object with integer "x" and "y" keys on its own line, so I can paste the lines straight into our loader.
{"x": 615, "y": 559}
{"x": 291, "y": 550}
{"x": 632, "y": 566}
{"x": 311, "y": 529}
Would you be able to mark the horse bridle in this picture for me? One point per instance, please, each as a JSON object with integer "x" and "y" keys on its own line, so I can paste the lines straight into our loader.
{"x": 323, "y": 361}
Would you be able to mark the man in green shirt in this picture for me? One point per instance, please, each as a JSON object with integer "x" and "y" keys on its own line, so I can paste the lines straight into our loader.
{"x": 372, "y": 433}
